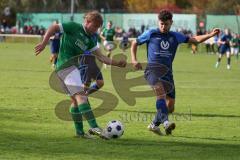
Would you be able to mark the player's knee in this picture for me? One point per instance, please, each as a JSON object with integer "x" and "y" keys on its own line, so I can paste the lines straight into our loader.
{"x": 170, "y": 108}
{"x": 170, "y": 105}
{"x": 81, "y": 99}
{"x": 100, "y": 83}
{"x": 54, "y": 55}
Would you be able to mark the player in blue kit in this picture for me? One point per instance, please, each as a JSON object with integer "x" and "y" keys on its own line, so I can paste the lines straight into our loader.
{"x": 161, "y": 49}
{"x": 224, "y": 47}
{"x": 54, "y": 46}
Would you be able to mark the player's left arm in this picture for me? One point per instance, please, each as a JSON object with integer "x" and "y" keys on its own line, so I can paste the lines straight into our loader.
{"x": 102, "y": 35}
{"x": 202, "y": 38}
{"x": 104, "y": 59}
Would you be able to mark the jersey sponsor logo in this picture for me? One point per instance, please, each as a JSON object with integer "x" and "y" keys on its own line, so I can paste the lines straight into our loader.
{"x": 81, "y": 35}
{"x": 164, "y": 45}
{"x": 80, "y": 44}
{"x": 86, "y": 40}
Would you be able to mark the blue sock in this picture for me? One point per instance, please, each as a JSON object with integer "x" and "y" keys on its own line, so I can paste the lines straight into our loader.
{"x": 162, "y": 112}
{"x": 93, "y": 88}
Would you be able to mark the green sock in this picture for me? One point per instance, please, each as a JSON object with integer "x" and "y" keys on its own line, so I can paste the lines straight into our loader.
{"x": 77, "y": 119}
{"x": 86, "y": 111}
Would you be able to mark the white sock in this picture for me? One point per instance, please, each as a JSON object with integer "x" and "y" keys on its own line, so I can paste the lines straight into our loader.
{"x": 165, "y": 123}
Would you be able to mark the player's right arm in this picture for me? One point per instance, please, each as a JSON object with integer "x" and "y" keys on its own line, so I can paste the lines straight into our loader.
{"x": 143, "y": 38}
{"x": 106, "y": 60}
{"x": 51, "y": 30}
{"x": 135, "y": 63}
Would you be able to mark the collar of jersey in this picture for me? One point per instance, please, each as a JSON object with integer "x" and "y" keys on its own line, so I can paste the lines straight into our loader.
{"x": 85, "y": 30}
{"x": 163, "y": 33}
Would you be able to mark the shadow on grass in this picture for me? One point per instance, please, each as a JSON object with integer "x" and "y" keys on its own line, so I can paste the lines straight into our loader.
{"x": 211, "y": 139}
{"x": 178, "y": 113}
{"x": 215, "y": 115}
{"x": 57, "y": 147}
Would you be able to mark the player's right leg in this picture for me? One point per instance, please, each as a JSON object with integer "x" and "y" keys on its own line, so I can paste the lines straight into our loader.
{"x": 54, "y": 60}
{"x": 219, "y": 60}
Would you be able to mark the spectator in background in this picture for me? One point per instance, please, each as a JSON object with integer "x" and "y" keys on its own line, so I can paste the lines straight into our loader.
{"x": 207, "y": 45}
{"x": 142, "y": 28}
{"x": 195, "y": 46}
{"x": 212, "y": 45}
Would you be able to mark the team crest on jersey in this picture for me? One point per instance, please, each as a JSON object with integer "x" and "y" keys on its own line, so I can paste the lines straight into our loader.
{"x": 164, "y": 45}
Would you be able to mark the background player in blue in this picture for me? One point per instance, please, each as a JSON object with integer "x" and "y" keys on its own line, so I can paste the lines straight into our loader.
{"x": 161, "y": 49}
{"x": 54, "y": 45}
{"x": 224, "y": 47}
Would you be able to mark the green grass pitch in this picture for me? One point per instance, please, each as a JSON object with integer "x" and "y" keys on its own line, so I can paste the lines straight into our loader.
{"x": 207, "y": 112}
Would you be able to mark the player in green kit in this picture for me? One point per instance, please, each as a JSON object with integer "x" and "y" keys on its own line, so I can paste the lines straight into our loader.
{"x": 76, "y": 40}
{"x": 107, "y": 35}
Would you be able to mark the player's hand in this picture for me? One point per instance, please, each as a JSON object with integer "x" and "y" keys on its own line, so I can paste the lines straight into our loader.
{"x": 39, "y": 48}
{"x": 215, "y": 31}
{"x": 122, "y": 63}
{"x": 137, "y": 65}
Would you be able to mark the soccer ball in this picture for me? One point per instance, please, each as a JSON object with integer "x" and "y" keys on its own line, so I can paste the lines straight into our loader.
{"x": 114, "y": 129}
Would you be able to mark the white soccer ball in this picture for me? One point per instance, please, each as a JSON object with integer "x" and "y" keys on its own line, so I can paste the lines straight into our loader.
{"x": 115, "y": 129}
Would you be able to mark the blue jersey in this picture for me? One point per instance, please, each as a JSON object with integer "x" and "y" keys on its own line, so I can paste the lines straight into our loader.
{"x": 55, "y": 43}
{"x": 56, "y": 37}
{"x": 225, "y": 47}
{"x": 161, "y": 47}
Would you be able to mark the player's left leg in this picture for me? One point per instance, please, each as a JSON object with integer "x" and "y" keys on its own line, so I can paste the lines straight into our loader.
{"x": 236, "y": 50}
{"x": 163, "y": 109}
{"x": 228, "y": 53}
{"x": 85, "y": 109}
{"x": 54, "y": 59}
{"x": 95, "y": 87}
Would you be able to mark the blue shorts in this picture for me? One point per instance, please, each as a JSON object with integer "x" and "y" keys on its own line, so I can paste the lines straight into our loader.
{"x": 223, "y": 50}
{"x": 55, "y": 46}
{"x": 157, "y": 74}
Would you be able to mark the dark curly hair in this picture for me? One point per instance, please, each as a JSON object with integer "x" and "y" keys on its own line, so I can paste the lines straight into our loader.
{"x": 165, "y": 15}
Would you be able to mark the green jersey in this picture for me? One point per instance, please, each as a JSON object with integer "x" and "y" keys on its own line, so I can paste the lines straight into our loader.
{"x": 235, "y": 42}
{"x": 108, "y": 34}
{"x": 74, "y": 42}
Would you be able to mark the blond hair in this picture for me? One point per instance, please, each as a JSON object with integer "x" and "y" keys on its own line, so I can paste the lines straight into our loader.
{"x": 94, "y": 16}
